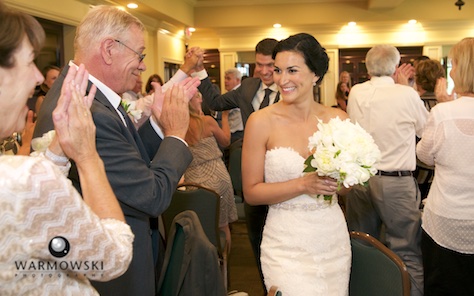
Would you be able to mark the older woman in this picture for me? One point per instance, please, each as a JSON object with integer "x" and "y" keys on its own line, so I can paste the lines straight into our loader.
{"x": 51, "y": 239}
{"x": 448, "y": 219}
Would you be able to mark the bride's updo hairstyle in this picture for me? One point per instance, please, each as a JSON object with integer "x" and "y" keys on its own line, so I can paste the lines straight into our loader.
{"x": 314, "y": 54}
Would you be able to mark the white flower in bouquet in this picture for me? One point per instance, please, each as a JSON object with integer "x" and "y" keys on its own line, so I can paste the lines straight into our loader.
{"x": 343, "y": 151}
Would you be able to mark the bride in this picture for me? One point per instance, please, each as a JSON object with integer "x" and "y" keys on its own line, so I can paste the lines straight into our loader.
{"x": 305, "y": 248}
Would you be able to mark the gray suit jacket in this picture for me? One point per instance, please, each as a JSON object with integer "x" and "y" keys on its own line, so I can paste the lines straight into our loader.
{"x": 199, "y": 271}
{"x": 239, "y": 98}
{"x": 143, "y": 175}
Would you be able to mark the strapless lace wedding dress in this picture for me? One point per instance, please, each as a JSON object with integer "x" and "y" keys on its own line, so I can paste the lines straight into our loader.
{"x": 305, "y": 247}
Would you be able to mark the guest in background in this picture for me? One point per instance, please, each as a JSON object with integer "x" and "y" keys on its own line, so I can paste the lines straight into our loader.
{"x": 50, "y": 74}
{"x": 346, "y": 78}
{"x": 448, "y": 218}
{"x": 342, "y": 93}
{"x": 394, "y": 115}
{"x": 137, "y": 106}
{"x": 153, "y": 78}
{"x": 207, "y": 168}
{"x": 232, "y": 79}
{"x": 39, "y": 206}
{"x": 427, "y": 73}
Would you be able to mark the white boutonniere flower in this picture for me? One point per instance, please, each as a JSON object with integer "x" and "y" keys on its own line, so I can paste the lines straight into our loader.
{"x": 132, "y": 110}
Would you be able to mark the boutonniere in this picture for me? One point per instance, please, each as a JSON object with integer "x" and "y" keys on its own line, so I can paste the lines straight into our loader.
{"x": 132, "y": 111}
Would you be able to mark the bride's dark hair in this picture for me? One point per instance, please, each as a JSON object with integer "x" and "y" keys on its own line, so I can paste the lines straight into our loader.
{"x": 314, "y": 54}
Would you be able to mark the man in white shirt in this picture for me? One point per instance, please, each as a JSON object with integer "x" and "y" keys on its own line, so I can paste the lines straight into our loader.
{"x": 394, "y": 115}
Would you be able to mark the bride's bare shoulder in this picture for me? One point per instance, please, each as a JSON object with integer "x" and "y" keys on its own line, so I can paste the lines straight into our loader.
{"x": 336, "y": 112}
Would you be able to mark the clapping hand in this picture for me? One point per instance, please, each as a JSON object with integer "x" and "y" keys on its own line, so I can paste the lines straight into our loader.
{"x": 189, "y": 87}
{"x": 404, "y": 73}
{"x": 75, "y": 129}
{"x": 441, "y": 92}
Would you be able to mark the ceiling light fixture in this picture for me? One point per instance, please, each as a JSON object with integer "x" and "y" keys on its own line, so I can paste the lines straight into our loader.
{"x": 459, "y": 4}
{"x": 412, "y": 22}
{"x": 276, "y": 26}
{"x": 191, "y": 29}
{"x": 351, "y": 24}
{"x": 132, "y": 5}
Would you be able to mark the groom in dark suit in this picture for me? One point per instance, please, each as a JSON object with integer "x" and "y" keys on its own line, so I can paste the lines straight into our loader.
{"x": 143, "y": 169}
{"x": 253, "y": 94}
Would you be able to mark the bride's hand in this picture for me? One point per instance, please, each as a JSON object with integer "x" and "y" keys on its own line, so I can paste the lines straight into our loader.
{"x": 315, "y": 184}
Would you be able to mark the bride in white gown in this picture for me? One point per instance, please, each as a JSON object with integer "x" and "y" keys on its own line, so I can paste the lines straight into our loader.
{"x": 305, "y": 248}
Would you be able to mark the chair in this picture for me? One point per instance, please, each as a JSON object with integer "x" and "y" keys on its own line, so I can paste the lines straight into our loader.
{"x": 206, "y": 204}
{"x": 235, "y": 172}
{"x": 376, "y": 270}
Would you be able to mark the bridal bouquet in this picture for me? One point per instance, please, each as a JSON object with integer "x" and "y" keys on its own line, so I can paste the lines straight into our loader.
{"x": 343, "y": 151}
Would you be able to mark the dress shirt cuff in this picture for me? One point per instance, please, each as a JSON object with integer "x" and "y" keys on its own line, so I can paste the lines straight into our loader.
{"x": 201, "y": 74}
{"x": 159, "y": 132}
{"x": 177, "y": 78}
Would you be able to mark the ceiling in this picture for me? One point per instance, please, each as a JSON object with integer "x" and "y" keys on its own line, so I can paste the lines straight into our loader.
{"x": 218, "y": 18}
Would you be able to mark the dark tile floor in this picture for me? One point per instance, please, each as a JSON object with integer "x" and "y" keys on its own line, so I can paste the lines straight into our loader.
{"x": 243, "y": 270}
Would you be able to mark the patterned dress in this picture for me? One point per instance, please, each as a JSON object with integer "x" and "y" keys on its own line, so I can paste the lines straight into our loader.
{"x": 51, "y": 243}
{"x": 208, "y": 170}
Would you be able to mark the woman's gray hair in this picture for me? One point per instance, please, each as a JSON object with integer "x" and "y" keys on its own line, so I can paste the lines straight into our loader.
{"x": 100, "y": 22}
{"x": 382, "y": 60}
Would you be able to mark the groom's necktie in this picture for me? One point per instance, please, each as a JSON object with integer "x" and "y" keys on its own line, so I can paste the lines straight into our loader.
{"x": 128, "y": 121}
{"x": 138, "y": 140}
{"x": 266, "y": 98}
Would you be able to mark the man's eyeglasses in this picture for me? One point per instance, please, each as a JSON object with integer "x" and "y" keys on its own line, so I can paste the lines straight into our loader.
{"x": 141, "y": 56}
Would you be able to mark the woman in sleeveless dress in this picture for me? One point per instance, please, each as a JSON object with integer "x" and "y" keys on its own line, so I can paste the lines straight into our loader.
{"x": 305, "y": 248}
{"x": 207, "y": 168}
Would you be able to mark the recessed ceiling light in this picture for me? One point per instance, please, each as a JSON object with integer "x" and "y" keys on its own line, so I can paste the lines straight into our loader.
{"x": 352, "y": 24}
{"x": 132, "y": 5}
{"x": 191, "y": 29}
{"x": 276, "y": 25}
{"x": 412, "y": 22}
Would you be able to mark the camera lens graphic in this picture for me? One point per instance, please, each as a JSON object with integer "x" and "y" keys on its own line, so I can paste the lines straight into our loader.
{"x": 59, "y": 247}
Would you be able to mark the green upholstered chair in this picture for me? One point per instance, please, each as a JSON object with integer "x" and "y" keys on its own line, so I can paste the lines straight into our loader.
{"x": 376, "y": 270}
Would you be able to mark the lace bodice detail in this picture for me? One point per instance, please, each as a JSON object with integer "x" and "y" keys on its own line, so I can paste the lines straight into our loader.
{"x": 283, "y": 164}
